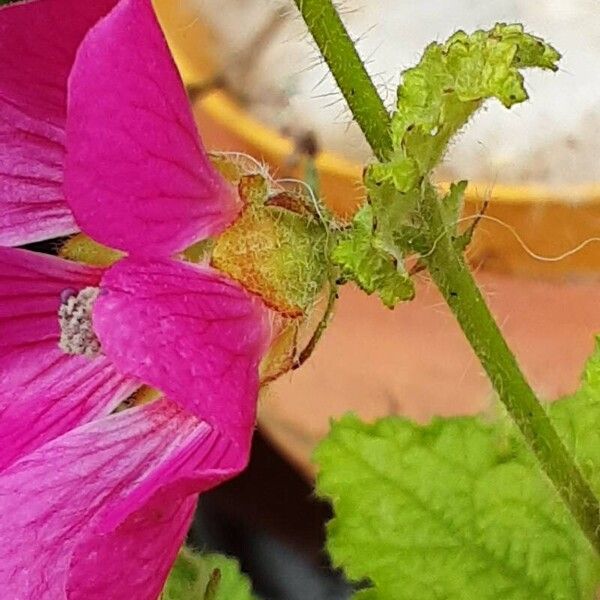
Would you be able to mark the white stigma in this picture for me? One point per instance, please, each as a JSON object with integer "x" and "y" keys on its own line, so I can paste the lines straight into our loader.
{"x": 77, "y": 335}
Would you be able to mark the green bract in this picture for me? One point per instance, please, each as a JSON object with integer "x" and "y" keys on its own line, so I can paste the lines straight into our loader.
{"x": 373, "y": 269}
{"x": 276, "y": 248}
{"x": 435, "y": 100}
{"x": 459, "y": 508}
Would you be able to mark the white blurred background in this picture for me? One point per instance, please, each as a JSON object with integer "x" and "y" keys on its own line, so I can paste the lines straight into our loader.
{"x": 551, "y": 139}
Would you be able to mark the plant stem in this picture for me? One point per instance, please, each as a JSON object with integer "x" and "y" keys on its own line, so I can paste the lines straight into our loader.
{"x": 341, "y": 56}
{"x": 454, "y": 280}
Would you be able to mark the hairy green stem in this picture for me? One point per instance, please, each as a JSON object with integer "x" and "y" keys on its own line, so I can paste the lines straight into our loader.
{"x": 454, "y": 279}
{"x": 341, "y": 56}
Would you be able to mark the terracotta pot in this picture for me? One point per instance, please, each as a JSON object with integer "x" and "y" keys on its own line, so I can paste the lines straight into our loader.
{"x": 414, "y": 361}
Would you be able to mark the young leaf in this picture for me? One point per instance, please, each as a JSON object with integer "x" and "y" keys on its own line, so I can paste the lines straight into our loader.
{"x": 452, "y": 80}
{"x": 458, "y": 508}
{"x": 371, "y": 268}
{"x": 435, "y": 100}
{"x": 206, "y": 577}
{"x": 439, "y": 95}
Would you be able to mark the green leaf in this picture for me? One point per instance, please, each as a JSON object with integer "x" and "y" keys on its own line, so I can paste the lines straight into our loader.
{"x": 577, "y": 419}
{"x": 435, "y": 100}
{"x": 459, "y": 509}
{"x": 370, "y": 267}
{"x": 206, "y": 577}
{"x": 452, "y": 80}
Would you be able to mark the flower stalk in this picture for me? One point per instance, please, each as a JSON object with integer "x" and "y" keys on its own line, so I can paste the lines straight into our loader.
{"x": 454, "y": 279}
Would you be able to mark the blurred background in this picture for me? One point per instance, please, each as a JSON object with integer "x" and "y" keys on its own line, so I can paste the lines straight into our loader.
{"x": 268, "y": 64}
{"x": 257, "y": 86}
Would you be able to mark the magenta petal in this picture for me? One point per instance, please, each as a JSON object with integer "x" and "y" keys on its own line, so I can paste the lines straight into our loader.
{"x": 137, "y": 176}
{"x": 133, "y": 562}
{"x": 58, "y": 505}
{"x": 38, "y": 41}
{"x": 30, "y": 288}
{"x": 68, "y": 392}
{"x": 44, "y": 392}
{"x": 189, "y": 332}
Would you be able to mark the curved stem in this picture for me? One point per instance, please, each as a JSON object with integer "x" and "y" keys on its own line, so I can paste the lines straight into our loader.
{"x": 455, "y": 281}
{"x": 320, "y": 330}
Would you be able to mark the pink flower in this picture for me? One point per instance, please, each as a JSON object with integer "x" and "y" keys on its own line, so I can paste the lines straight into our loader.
{"x": 128, "y": 129}
{"x": 38, "y": 42}
{"x": 95, "y": 504}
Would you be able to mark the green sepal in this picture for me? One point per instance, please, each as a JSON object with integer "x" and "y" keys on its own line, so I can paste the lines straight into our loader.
{"x": 276, "y": 248}
{"x": 84, "y": 249}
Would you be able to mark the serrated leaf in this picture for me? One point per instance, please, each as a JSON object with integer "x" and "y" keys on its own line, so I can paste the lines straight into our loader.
{"x": 435, "y": 100}
{"x": 577, "y": 418}
{"x": 373, "y": 269}
{"x": 206, "y": 577}
{"x": 454, "y": 510}
{"x": 452, "y": 80}
{"x": 438, "y": 97}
